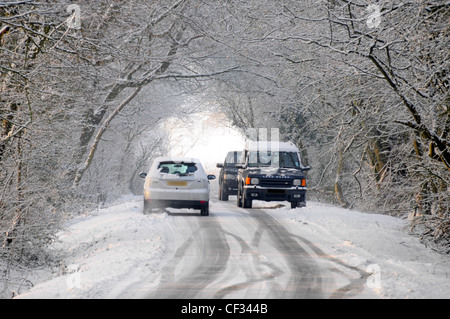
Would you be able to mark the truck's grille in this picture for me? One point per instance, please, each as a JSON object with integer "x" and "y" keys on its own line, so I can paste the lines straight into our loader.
{"x": 276, "y": 182}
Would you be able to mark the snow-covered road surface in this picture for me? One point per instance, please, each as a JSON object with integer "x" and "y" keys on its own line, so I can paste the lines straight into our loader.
{"x": 266, "y": 252}
{"x": 241, "y": 253}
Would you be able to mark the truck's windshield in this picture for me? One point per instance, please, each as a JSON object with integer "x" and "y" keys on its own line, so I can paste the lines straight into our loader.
{"x": 232, "y": 159}
{"x": 277, "y": 159}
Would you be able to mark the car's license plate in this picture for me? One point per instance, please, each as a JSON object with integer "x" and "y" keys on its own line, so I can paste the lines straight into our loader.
{"x": 176, "y": 183}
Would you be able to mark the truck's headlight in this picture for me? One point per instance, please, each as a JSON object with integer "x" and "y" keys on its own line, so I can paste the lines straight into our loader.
{"x": 299, "y": 182}
{"x": 254, "y": 181}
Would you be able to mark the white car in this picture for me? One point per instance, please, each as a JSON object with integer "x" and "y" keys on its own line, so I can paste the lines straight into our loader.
{"x": 177, "y": 183}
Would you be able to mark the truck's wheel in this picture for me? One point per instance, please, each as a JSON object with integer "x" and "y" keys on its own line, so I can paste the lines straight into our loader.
{"x": 223, "y": 196}
{"x": 246, "y": 202}
{"x": 239, "y": 198}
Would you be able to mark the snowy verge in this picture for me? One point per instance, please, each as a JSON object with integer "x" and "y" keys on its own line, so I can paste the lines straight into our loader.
{"x": 112, "y": 248}
{"x": 402, "y": 266}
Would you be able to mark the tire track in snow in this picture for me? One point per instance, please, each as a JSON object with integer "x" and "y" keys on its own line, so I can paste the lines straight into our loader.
{"x": 293, "y": 268}
{"x": 210, "y": 242}
{"x": 305, "y": 279}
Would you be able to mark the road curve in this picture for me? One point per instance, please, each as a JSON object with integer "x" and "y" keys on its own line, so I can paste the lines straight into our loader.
{"x": 248, "y": 253}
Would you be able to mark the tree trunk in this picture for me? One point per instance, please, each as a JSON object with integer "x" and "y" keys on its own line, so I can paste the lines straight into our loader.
{"x": 337, "y": 183}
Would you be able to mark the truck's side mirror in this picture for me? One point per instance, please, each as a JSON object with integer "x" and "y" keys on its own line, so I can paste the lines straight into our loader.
{"x": 305, "y": 168}
{"x": 219, "y": 165}
{"x": 240, "y": 166}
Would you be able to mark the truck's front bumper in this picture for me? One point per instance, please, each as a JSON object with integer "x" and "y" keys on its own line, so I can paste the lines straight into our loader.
{"x": 293, "y": 194}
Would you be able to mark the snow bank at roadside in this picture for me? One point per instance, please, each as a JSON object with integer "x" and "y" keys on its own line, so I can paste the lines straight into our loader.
{"x": 378, "y": 244}
{"x": 106, "y": 251}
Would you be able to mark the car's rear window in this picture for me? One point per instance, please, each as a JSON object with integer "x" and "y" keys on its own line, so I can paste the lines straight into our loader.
{"x": 177, "y": 168}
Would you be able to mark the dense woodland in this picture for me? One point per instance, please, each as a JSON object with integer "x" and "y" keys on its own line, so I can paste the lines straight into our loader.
{"x": 360, "y": 86}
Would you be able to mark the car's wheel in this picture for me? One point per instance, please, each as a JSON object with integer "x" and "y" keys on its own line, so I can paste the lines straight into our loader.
{"x": 204, "y": 211}
{"x": 147, "y": 207}
{"x": 239, "y": 197}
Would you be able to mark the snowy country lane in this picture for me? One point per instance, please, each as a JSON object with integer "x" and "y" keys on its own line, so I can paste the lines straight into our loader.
{"x": 269, "y": 251}
{"x": 249, "y": 253}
